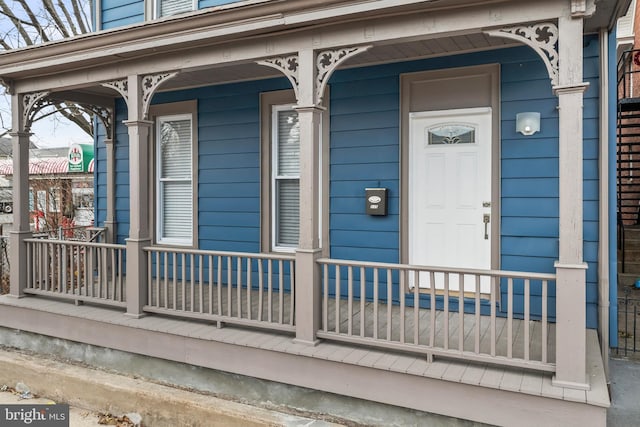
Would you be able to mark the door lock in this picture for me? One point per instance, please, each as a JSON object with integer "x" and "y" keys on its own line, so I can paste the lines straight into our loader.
{"x": 486, "y": 204}
{"x": 486, "y": 218}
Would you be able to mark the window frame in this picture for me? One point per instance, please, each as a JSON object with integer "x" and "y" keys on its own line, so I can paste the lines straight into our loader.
{"x": 165, "y": 111}
{"x": 276, "y": 177}
{"x": 157, "y": 6}
{"x": 280, "y": 99}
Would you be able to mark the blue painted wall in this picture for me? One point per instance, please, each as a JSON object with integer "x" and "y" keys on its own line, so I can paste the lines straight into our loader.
{"x": 116, "y": 13}
{"x": 364, "y": 152}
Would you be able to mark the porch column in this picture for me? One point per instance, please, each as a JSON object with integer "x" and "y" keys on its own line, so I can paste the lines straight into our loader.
{"x": 21, "y": 229}
{"x": 139, "y": 234}
{"x": 110, "y": 222}
{"x": 307, "y": 295}
{"x": 570, "y": 268}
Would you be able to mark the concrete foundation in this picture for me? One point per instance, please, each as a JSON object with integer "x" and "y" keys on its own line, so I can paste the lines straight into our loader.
{"x": 127, "y": 382}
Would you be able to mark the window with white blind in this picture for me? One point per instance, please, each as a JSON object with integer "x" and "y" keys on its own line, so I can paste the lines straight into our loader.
{"x": 174, "y": 7}
{"x": 285, "y": 178}
{"x": 174, "y": 179}
{"x": 280, "y": 174}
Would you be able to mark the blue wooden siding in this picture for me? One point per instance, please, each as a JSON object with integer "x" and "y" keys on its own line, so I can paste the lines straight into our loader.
{"x": 116, "y": 13}
{"x": 364, "y": 152}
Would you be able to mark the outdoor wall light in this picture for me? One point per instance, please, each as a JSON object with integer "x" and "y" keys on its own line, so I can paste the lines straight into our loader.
{"x": 528, "y": 123}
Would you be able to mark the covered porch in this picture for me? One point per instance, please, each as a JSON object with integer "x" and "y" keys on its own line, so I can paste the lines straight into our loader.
{"x": 392, "y": 332}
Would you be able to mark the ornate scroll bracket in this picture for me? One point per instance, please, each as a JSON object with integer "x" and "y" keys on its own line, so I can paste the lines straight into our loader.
{"x": 121, "y": 86}
{"x": 327, "y": 61}
{"x": 105, "y": 115}
{"x": 287, "y": 65}
{"x": 32, "y": 103}
{"x": 150, "y": 83}
{"x": 541, "y": 37}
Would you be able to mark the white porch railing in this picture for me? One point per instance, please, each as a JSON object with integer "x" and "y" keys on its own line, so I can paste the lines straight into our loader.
{"x": 80, "y": 271}
{"x": 504, "y": 318}
{"x": 247, "y": 289}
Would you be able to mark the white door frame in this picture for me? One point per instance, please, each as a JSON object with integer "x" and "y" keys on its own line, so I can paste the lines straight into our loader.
{"x": 414, "y": 98}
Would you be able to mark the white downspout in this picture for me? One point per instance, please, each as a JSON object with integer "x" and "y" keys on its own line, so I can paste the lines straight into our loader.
{"x": 603, "y": 246}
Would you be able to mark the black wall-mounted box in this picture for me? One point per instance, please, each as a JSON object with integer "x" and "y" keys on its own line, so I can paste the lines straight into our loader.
{"x": 376, "y": 201}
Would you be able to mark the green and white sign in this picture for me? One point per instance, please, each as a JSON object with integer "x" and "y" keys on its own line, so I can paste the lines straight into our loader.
{"x": 80, "y": 155}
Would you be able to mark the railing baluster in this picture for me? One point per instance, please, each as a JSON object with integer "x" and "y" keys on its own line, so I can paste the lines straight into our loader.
{"x": 526, "y": 318}
{"x": 249, "y": 287}
{"x": 477, "y": 315}
{"x": 349, "y": 300}
{"x": 544, "y": 322}
{"x": 432, "y": 306}
{"x": 338, "y": 291}
{"x": 201, "y": 282}
{"x": 261, "y": 289}
{"x": 192, "y": 282}
{"x": 510, "y": 318}
{"x": 325, "y": 297}
{"x": 375, "y": 303}
{"x": 239, "y": 286}
{"x": 389, "y": 304}
{"x": 281, "y": 292}
{"x": 401, "y": 292}
{"x": 150, "y": 284}
{"x": 363, "y": 298}
{"x": 174, "y": 281}
{"x": 461, "y": 289}
{"x": 446, "y": 311}
{"x": 219, "y": 286}
{"x": 166, "y": 280}
{"x": 211, "y": 283}
{"x": 292, "y": 283}
{"x": 270, "y": 290}
{"x": 494, "y": 286}
{"x": 229, "y": 286}
{"x": 416, "y": 306}
{"x": 183, "y": 281}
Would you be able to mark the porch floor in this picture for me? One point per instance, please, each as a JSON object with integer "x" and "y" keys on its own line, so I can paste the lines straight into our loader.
{"x": 13, "y": 313}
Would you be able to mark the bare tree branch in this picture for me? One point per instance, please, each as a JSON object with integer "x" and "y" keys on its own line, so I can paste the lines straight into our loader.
{"x": 34, "y": 21}
{"x": 67, "y": 16}
{"x": 81, "y": 17}
{"x": 48, "y": 5}
{"x": 18, "y": 23}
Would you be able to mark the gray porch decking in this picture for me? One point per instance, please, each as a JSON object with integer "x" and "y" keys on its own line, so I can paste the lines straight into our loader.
{"x": 274, "y": 308}
{"x": 181, "y": 340}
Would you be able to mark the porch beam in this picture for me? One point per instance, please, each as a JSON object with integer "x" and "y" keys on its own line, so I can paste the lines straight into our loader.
{"x": 21, "y": 228}
{"x": 406, "y": 27}
{"x": 139, "y": 231}
{"x": 570, "y": 268}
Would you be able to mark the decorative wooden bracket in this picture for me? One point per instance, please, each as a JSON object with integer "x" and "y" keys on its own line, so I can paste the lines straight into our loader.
{"x": 326, "y": 63}
{"x": 541, "y": 37}
{"x": 287, "y": 65}
{"x": 32, "y": 103}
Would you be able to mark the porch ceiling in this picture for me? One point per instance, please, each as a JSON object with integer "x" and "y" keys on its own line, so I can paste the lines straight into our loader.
{"x": 199, "y": 77}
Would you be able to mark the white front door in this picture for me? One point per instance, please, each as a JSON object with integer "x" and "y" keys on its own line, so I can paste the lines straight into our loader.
{"x": 450, "y": 193}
